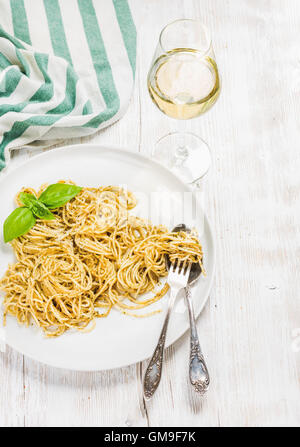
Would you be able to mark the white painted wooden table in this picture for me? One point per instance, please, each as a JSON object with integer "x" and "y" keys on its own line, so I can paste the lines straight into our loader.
{"x": 250, "y": 329}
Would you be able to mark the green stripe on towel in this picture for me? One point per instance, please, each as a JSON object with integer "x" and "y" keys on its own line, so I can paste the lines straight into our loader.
{"x": 128, "y": 31}
{"x": 19, "y": 19}
{"x": 57, "y": 31}
{"x": 101, "y": 64}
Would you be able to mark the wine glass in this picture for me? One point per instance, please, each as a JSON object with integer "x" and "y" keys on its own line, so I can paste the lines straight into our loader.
{"x": 184, "y": 83}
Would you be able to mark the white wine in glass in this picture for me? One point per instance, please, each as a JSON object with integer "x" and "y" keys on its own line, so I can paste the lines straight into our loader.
{"x": 184, "y": 83}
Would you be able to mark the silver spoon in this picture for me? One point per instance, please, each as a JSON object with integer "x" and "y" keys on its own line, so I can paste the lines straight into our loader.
{"x": 198, "y": 372}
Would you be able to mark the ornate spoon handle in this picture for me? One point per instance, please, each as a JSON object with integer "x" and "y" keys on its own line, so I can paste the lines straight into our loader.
{"x": 154, "y": 369}
{"x": 199, "y": 376}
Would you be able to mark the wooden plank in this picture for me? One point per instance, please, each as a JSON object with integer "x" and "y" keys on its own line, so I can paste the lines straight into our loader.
{"x": 12, "y": 403}
{"x": 248, "y": 321}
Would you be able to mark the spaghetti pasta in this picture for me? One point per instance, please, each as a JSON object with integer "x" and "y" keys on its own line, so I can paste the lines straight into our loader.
{"x": 94, "y": 256}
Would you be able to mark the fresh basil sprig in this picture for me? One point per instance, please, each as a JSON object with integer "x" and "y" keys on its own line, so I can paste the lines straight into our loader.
{"x": 58, "y": 195}
{"x": 22, "y": 219}
{"x": 36, "y": 206}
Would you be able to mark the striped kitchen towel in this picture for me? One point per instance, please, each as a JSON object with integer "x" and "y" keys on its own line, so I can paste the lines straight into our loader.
{"x": 66, "y": 69}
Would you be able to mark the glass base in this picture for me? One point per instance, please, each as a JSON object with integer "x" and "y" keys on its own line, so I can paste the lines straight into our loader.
{"x": 185, "y": 154}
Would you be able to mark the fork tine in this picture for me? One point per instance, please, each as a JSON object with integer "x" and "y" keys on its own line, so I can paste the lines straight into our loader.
{"x": 175, "y": 266}
{"x": 179, "y": 267}
{"x": 188, "y": 268}
{"x": 182, "y": 267}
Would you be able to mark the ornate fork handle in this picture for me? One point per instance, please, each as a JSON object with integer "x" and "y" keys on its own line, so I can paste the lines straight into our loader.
{"x": 154, "y": 369}
{"x": 199, "y": 376}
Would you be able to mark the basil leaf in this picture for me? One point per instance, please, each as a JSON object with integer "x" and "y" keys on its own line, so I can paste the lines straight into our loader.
{"x": 27, "y": 199}
{"x": 38, "y": 208}
{"x": 41, "y": 211}
{"x": 18, "y": 223}
{"x": 58, "y": 194}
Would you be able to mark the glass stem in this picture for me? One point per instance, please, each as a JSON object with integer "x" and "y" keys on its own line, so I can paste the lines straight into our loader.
{"x": 181, "y": 151}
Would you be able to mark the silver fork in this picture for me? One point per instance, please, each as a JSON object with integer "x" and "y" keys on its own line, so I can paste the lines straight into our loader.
{"x": 177, "y": 280}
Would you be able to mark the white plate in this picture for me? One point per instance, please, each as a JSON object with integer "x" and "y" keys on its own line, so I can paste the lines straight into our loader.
{"x": 117, "y": 340}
